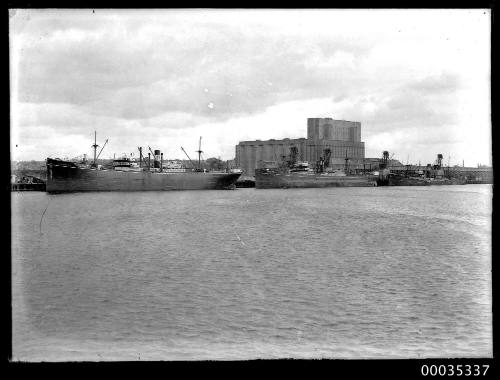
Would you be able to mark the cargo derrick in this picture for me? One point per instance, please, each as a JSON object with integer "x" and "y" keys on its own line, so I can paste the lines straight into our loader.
{"x": 323, "y": 162}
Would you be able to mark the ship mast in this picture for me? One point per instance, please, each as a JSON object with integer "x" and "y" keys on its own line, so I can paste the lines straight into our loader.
{"x": 199, "y": 151}
{"x": 95, "y": 147}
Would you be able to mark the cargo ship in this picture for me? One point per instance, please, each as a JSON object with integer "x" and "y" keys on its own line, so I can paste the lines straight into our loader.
{"x": 297, "y": 174}
{"x": 126, "y": 174}
{"x": 432, "y": 175}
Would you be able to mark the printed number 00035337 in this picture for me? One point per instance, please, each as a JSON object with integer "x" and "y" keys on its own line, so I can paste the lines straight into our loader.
{"x": 454, "y": 370}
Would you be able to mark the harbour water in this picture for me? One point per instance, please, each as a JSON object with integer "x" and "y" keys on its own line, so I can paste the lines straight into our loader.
{"x": 389, "y": 272}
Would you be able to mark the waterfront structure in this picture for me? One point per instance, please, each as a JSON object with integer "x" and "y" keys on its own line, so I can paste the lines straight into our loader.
{"x": 437, "y": 174}
{"x": 26, "y": 183}
{"x": 342, "y": 137}
{"x": 466, "y": 174}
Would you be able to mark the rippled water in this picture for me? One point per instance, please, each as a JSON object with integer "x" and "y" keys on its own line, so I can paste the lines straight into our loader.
{"x": 402, "y": 272}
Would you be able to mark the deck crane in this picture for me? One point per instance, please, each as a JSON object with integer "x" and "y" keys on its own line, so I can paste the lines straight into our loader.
{"x": 192, "y": 163}
{"x": 151, "y": 150}
{"x": 346, "y": 159}
{"x": 105, "y": 142}
{"x": 328, "y": 154}
{"x": 293, "y": 155}
{"x": 152, "y": 154}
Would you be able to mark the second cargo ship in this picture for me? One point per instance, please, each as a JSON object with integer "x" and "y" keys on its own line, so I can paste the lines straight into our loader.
{"x": 126, "y": 174}
{"x": 296, "y": 174}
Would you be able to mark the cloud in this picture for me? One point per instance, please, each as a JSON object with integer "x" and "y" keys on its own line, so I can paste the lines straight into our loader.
{"x": 173, "y": 75}
{"x": 155, "y": 69}
{"x": 438, "y": 84}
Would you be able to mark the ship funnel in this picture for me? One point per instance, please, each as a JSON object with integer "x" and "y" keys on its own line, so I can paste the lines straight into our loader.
{"x": 157, "y": 159}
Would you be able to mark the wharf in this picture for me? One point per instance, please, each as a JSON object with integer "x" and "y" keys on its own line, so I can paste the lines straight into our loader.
{"x": 464, "y": 175}
{"x": 28, "y": 187}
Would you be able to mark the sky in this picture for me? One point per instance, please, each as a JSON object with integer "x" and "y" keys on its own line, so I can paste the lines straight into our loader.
{"x": 417, "y": 80}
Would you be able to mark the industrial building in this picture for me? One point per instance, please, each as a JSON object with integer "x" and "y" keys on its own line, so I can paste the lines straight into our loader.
{"x": 342, "y": 137}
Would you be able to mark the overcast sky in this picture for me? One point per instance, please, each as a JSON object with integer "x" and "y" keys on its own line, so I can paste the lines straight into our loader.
{"x": 417, "y": 80}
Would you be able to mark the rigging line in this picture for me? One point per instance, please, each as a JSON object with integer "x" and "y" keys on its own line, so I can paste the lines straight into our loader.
{"x": 41, "y": 219}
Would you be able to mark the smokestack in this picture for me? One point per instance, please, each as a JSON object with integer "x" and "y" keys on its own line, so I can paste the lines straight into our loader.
{"x": 157, "y": 159}
{"x": 161, "y": 162}
{"x": 149, "y": 160}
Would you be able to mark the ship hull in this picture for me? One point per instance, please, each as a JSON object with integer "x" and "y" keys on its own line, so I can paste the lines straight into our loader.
{"x": 296, "y": 180}
{"x": 420, "y": 182}
{"x": 62, "y": 177}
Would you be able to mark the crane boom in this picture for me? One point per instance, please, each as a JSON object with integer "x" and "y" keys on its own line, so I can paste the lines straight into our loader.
{"x": 328, "y": 154}
{"x": 151, "y": 151}
{"x": 188, "y": 157}
{"x": 105, "y": 142}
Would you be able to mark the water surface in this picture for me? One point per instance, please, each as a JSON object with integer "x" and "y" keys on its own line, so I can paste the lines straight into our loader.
{"x": 399, "y": 272}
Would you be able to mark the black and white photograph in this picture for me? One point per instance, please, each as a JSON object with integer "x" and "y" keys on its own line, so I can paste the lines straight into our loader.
{"x": 243, "y": 184}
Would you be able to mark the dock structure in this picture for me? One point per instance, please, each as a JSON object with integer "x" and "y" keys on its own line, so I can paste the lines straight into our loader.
{"x": 28, "y": 187}
{"x": 26, "y": 183}
{"x": 469, "y": 174}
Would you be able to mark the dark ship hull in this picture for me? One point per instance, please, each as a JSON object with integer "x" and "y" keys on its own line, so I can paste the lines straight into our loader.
{"x": 416, "y": 181}
{"x": 65, "y": 176}
{"x": 269, "y": 180}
